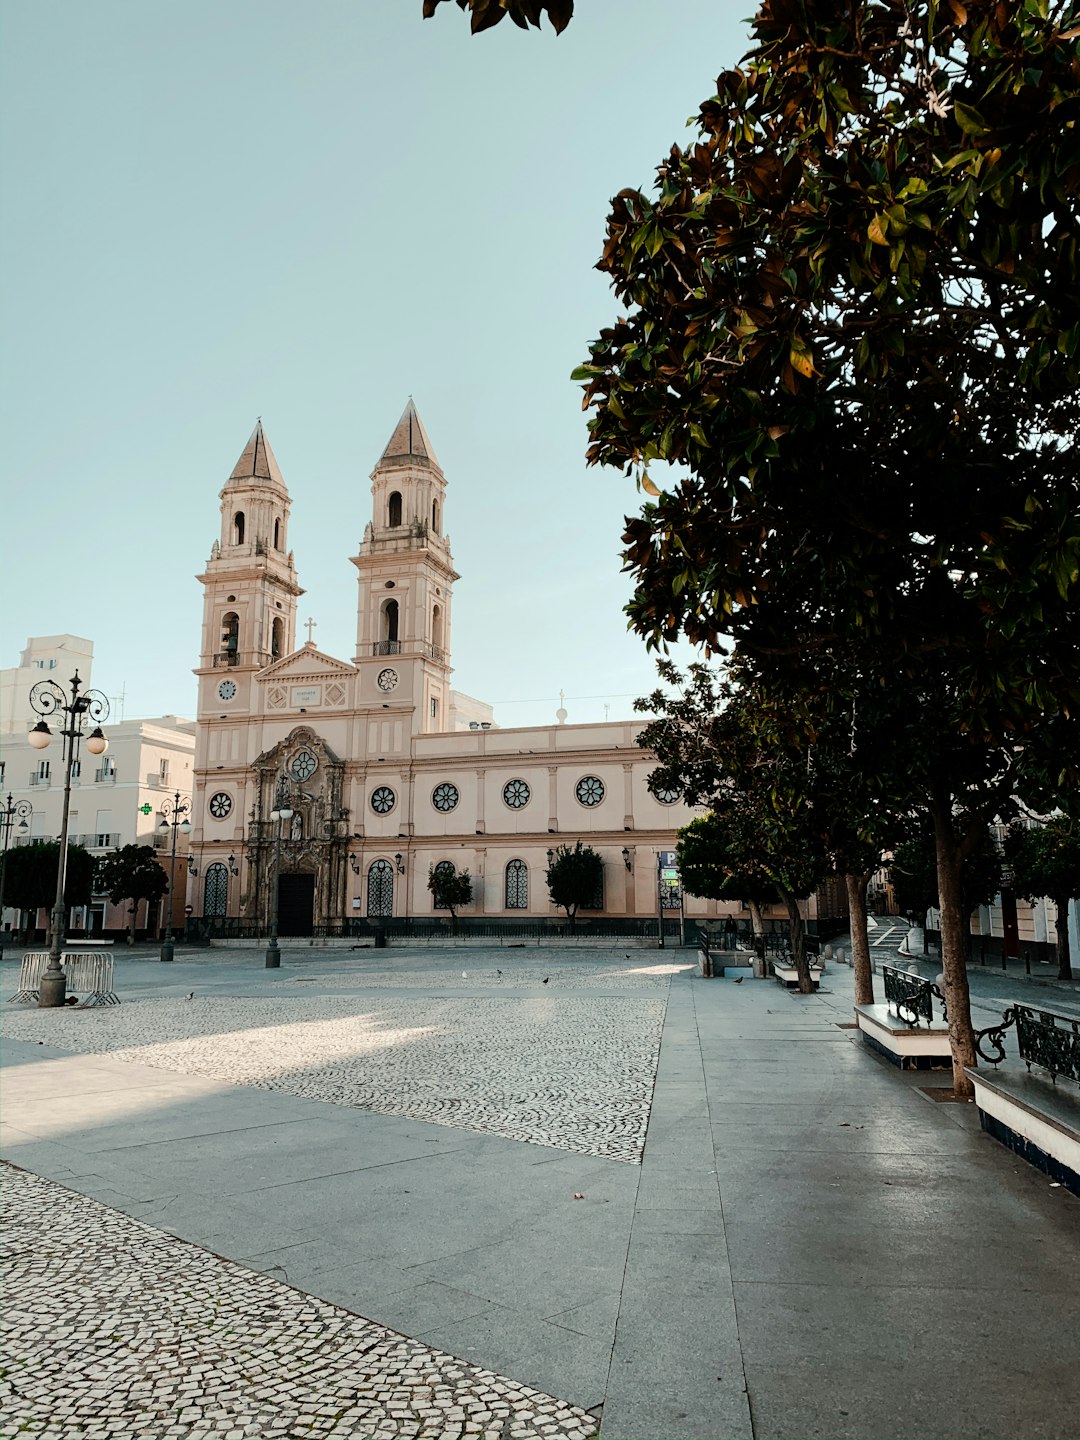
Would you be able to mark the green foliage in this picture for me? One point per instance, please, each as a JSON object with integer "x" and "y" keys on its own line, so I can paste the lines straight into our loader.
{"x": 573, "y": 877}
{"x": 853, "y": 324}
{"x": 716, "y": 862}
{"x": 30, "y": 876}
{"x": 132, "y": 873}
{"x": 524, "y": 13}
{"x": 449, "y": 889}
{"x": 1045, "y": 860}
{"x": 913, "y": 871}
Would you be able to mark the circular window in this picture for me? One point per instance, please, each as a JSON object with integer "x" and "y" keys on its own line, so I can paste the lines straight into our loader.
{"x": 516, "y": 794}
{"x": 589, "y": 790}
{"x": 666, "y": 794}
{"x": 226, "y": 690}
{"x": 220, "y": 805}
{"x": 383, "y": 800}
{"x": 387, "y": 679}
{"x": 304, "y": 764}
{"x": 445, "y": 797}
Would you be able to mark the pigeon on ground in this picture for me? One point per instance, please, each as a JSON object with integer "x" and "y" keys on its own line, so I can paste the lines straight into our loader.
{"x": 545, "y": 980}
{"x": 498, "y": 972}
{"x": 192, "y": 995}
{"x": 739, "y": 979}
{"x": 464, "y": 974}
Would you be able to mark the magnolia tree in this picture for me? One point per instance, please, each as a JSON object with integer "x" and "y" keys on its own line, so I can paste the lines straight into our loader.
{"x": 846, "y": 372}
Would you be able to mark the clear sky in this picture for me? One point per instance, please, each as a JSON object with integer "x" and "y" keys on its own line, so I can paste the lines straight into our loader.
{"x": 309, "y": 210}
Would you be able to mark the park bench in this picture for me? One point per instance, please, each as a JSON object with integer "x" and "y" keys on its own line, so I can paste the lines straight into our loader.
{"x": 89, "y": 973}
{"x": 1022, "y": 1105}
{"x": 787, "y": 975}
{"x": 906, "y": 1029}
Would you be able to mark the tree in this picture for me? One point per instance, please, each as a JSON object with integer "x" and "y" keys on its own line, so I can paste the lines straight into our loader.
{"x": 1046, "y": 861}
{"x": 449, "y": 889}
{"x": 132, "y": 873}
{"x": 30, "y": 876}
{"x": 767, "y": 822}
{"x": 574, "y": 878}
{"x": 853, "y": 321}
{"x": 914, "y": 874}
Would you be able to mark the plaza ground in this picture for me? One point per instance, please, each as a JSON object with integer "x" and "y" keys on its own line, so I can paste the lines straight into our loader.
{"x": 421, "y": 1192}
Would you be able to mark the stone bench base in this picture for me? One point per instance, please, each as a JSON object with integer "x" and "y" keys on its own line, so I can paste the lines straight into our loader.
{"x": 1037, "y": 1120}
{"x": 907, "y": 1046}
{"x": 789, "y": 976}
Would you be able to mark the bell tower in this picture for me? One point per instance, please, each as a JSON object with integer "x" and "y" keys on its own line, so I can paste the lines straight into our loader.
{"x": 249, "y": 585}
{"x": 406, "y": 579}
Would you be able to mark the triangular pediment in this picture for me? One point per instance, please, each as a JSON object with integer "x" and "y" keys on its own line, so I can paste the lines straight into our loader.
{"x": 307, "y": 663}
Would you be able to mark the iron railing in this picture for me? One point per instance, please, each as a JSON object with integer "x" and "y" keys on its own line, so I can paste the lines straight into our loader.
{"x": 1044, "y": 1038}
{"x": 912, "y": 995}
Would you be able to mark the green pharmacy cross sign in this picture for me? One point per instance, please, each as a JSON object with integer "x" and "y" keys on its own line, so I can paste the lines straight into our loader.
{"x": 145, "y": 809}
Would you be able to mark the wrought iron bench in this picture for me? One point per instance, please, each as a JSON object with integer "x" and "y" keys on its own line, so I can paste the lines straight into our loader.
{"x": 89, "y": 973}
{"x": 1034, "y": 1118}
{"x": 904, "y": 1029}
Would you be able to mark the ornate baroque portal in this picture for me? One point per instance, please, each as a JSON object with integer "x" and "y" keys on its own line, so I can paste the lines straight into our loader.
{"x": 302, "y": 774}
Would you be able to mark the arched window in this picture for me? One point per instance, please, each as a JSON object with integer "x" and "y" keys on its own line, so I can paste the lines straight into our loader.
{"x": 517, "y": 885}
{"x": 390, "y": 620}
{"x": 216, "y": 890}
{"x": 380, "y": 888}
{"x": 436, "y": 627}
{"x": 435, "y": 516}
{"x": 277, "y": 642}
{"x": 444, "y": 867}
{"x": 230, "y": 633}
{"x": 277, "y": 534}
{"x": 238, "y": 528}
{"x": 393, "y": 508}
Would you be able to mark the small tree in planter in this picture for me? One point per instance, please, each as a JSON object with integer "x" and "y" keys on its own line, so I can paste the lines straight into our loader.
{"x": 573, "y": 878}
{"x": 132, "y": 873}
{"x": 449, "y": 889}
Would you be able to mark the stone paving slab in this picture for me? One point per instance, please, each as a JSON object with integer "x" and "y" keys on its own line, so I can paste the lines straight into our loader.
{"x": 112, "y": 1328}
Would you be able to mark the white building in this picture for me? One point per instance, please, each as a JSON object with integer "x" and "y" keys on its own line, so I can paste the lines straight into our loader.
{"x": 116, "y": 797}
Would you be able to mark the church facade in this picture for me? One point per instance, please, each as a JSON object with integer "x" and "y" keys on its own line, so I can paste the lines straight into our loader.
{"x": 387, "y": 770}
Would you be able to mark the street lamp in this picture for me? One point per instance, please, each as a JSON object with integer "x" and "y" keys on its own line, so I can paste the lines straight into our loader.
{"x": 49, "y": 698}
{"x": 174, "y": 816}
{"x": 273, "y": 954}
{"x": 19, "y": 810}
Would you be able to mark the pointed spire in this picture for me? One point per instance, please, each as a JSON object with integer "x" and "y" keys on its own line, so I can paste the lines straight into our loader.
{"x": 410, "y": 440}
{"x": 257, "y": 462}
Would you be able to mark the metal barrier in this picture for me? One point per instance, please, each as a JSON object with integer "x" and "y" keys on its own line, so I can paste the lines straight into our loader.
{"x": 912, "y": 996}
{"x": 88, "y": 972}
{"x": 1044, "y": 1038}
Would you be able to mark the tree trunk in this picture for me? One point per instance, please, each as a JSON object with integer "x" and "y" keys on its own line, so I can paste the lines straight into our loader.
{"x": 132, "y": 912}
{"x": 757, "y": 920}
{"x": 953, "y": 949}
{"x": 1063, "y": 958}
{"x": 798, "y": 943}
{"x": 860, "y": 940}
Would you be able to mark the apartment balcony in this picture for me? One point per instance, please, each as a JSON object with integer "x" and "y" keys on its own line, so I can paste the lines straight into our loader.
{"x": 36, "y": 779}
{"x": 104, "y": 775}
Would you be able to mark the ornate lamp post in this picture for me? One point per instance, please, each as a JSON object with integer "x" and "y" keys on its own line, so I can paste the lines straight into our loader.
{"x": 19, "y": 810}
{"x": 49, "y": 698}
{"x": 273, "y": 954}
{"x": 174, "y": 816}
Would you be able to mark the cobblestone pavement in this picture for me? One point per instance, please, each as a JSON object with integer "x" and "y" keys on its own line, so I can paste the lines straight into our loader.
{"x": 112, "y": 1328}
{"x": 470, "y": 1063}
{"x": 653, "y": 978}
